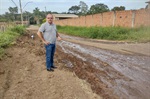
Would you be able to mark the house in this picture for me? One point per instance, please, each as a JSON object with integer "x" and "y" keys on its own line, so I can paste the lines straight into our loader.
{"x": 64, "y": 16}
{"x": 148, "y": 6}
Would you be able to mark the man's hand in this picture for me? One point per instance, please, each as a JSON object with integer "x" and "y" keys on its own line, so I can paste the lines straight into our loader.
{"x": 41, "y": 37}
{"x": 46, "y": 43}
{"x": 59, "y": 38}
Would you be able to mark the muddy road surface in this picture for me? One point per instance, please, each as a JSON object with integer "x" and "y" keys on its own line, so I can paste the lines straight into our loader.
{"x": 112, "y": 73}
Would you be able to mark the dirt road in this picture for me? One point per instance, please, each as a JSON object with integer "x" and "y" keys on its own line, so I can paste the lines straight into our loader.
{"x": 122, "y": 68}
{"x": 114, "y": 70}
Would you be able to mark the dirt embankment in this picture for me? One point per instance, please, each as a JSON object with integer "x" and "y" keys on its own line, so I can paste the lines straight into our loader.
{"x": 23, "y": 74}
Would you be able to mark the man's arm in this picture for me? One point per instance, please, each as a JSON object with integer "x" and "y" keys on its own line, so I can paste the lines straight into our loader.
{"x": 42, "y": 38}
{"x": 58, "y": 36}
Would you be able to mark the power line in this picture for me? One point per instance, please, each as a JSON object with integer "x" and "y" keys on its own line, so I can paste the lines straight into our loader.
{"x": 14, "y": 3}
{"x": 27, "y": 3}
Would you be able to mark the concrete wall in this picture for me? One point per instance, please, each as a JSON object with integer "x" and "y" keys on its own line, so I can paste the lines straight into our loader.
{"x": 129, "y": 18}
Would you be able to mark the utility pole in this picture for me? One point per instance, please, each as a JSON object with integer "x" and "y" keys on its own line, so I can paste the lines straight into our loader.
{"x": 21, "y": 9}
{"x": 21, "y": 12}
{"x": 45, "y": 11}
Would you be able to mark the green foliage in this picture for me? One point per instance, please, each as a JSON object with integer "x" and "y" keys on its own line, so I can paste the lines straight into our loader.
{"x": 141, "y": 34}
{"x": 36, "y": 12}
{"x": 74, "y": 9}
{"x": 7, "y": 37}
{"x": 121, "y": 8}
{"x": 13, "y": 13}
{"x": 98, "y": 8}
{"x": 18, "y": 29}
{"x": 44, "y": 20}
{"x": 83, "y": 7}
{"x": 3, "y": 20}
{"x": 13, "y": 10}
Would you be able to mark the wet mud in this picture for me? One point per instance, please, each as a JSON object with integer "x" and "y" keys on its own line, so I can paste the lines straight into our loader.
{"x": 111, "y": 74}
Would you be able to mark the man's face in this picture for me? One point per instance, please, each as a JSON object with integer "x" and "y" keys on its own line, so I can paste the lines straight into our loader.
{"x": 49, "y": 18}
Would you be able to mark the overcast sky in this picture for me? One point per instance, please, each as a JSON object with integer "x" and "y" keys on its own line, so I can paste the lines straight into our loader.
{"x": 64, "y": 5}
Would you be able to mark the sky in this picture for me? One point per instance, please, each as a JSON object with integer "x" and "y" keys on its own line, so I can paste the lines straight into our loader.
{"x": 64, "y": 5}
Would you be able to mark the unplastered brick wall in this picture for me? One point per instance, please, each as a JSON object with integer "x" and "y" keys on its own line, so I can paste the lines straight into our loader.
{"x": 128, "y": 18}
{"x": 142, "y": 18}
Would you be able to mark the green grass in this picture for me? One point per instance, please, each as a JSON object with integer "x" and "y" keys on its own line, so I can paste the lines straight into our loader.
{"x": 7, "y": 37}
{"x": 141, "y": 34}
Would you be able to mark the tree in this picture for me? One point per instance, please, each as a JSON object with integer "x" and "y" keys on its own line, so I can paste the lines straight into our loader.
{"x": 26, "y": 15}
{"x": 13, "y": 11}
{"x": 40, "y": 15}
{"x": 63, "y": 12}
{"x": 98, "y": 8}
{"x": 54, "y": 12}
{"x": 37, "y": 15}
{"x": 8, "y": 16}
{"x": 36, "y": 12}
{"x": 83, "y": 7}
{"x": 121, "y": 8}
{"x": 48, "y": 12}
{"x": 74, "y": 9}
{"x": 5, "y": 17}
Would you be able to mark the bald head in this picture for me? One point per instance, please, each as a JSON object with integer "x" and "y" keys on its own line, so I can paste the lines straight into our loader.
{"x": 49, "y": 15}
{"x": 49, "y": 18}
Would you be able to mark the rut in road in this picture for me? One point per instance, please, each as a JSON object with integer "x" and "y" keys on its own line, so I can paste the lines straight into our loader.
{"x": 110, "y": 72}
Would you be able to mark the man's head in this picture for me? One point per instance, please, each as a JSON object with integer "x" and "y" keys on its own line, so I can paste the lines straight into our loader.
{"x": 49, "y": 18}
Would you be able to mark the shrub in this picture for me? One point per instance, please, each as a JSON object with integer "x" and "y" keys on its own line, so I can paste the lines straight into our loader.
{"x": 19, "y": 29}
{"x": 7, "y": 37}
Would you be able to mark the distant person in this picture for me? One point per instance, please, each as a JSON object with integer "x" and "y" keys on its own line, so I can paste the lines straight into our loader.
{"x": 48, "y": 34}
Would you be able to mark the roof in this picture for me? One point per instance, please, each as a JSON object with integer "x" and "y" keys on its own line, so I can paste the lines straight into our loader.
{"x": 65, "y": 15}
{"x": 148, "y": 1}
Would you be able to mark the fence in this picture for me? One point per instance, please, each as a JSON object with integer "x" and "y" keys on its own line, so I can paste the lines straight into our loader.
{"x": 128, "y": 18}
{"x": 4, "y": 26}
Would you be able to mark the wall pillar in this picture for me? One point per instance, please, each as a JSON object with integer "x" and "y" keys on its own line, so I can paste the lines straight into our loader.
{"x": 114, "y": 18}
{"x": 133, "y": 18}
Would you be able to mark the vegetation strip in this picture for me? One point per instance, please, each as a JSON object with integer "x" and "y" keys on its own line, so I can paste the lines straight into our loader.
{"x": 8, "y": 37}
{"x": 141, "y": 34}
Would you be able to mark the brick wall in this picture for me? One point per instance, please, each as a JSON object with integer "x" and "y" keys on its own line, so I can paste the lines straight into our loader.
{"x": 129, "y": 18}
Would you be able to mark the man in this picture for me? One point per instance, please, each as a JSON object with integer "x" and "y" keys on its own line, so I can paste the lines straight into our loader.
{"x": 48, "y": 34}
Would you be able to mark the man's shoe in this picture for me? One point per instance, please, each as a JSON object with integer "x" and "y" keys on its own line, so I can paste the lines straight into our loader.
{"x": 50, "y": 70}
{"x": 53, "y": 67}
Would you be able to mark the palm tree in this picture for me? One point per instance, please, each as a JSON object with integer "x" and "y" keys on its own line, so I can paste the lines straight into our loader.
{"x": 13, "y": 11}
{"x": 37, "y": 15}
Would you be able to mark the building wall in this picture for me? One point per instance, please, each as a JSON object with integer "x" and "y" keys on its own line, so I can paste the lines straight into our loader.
{"x": 129, "y": 18}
